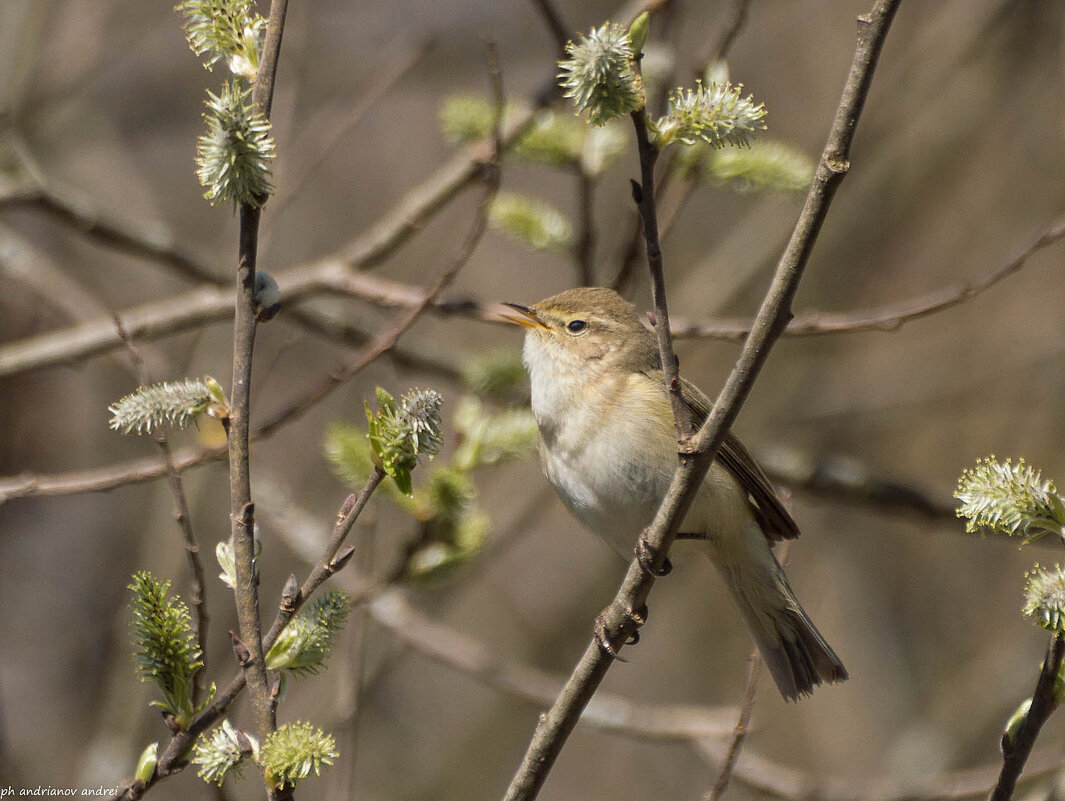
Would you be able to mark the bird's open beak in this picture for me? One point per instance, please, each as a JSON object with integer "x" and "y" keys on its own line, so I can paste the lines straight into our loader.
{"x": 528, "y": 319}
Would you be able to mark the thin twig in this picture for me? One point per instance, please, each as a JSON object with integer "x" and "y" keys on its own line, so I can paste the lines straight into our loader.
{"x": 739, "y": 733}
{"x": 321, "y": 133}
{"x": 644, "y": 195}
{"x": 620, "y": 620}
{"x": 717, "y": 46}
{"x": 743, "y": 724}
{"x": 183, "y": 518}
{"x": 675, "y": 190}
{"x": 553, "y": 19}
{"x": 1015, "y": 752}
{"x": 893, "y": 316}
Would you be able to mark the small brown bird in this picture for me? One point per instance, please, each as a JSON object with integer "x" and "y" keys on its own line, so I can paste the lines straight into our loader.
{"x": 608, "y": 445}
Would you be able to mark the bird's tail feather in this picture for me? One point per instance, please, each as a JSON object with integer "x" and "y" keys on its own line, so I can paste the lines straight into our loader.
{"x": 796, "y": 654}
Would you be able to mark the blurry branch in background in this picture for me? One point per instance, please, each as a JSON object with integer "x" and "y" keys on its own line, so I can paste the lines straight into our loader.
{"x": 320, "y": 134}
{"x": 766, "y": 777}
{"x": 625, "y": 613}
{"x": 889, "y": 317}
{"x": 333, "y": 276}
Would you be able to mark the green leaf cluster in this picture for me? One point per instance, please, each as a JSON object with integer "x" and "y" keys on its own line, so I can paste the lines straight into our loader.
{"x": 164, "y": 646}
{"x": 452, "y": 529}
{"x": 401, "y": 432}
{"x": 553, "y": 139}
{"x": 305, "y": 643}
{"x": 763, "y": 166}
{"x": 294, "y": 750}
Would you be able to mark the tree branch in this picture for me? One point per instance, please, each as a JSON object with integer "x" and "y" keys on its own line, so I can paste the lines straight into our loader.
{"x": 1015, "y": 753}
{"x": 238, "y": 426}
{"x": 619, "y": 619}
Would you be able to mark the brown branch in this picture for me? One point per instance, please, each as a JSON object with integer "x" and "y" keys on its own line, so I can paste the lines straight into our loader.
{"x": 620, "y": 619}
{"x": 1015, "y": 751}
{"x": 644, "y": 195}
{"x": 330, "y": 275}
{"x": 739, "y": 733}
{"x": 238, "y": 425}
{"x": 889, "y": 317}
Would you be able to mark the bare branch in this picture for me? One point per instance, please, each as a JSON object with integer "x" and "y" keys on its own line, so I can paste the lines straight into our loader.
{"x": 889, "y": 317}
{"x": 739, "y": 733}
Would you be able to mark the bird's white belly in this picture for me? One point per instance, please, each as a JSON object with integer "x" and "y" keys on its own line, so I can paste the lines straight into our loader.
{"x": 614, "y": 487}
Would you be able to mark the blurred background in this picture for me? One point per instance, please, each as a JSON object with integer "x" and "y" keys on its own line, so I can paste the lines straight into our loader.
{"x": 957, "y": 164}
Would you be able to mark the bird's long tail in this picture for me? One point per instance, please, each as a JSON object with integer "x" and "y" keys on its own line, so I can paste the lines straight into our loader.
{"x": 793, "y": 649}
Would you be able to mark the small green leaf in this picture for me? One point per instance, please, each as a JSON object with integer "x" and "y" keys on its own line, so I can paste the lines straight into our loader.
{"x": 305, "y": 643}
{"x": 146, "y": 763}
{"x": 638, "y": 31}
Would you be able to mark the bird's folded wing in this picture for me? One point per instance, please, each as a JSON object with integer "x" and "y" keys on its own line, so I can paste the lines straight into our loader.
{"x": 774, "y": 519}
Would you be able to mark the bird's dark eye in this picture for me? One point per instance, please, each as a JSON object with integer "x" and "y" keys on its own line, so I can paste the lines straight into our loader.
{"x": 576, "y": 326}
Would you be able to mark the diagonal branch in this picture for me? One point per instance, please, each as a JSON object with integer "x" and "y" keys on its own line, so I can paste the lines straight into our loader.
{"x": 619, "y": 619}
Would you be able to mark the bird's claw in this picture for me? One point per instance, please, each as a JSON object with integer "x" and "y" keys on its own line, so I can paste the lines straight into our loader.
{"x": 636, "y": 618}
{"x": 646, "y": 556}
